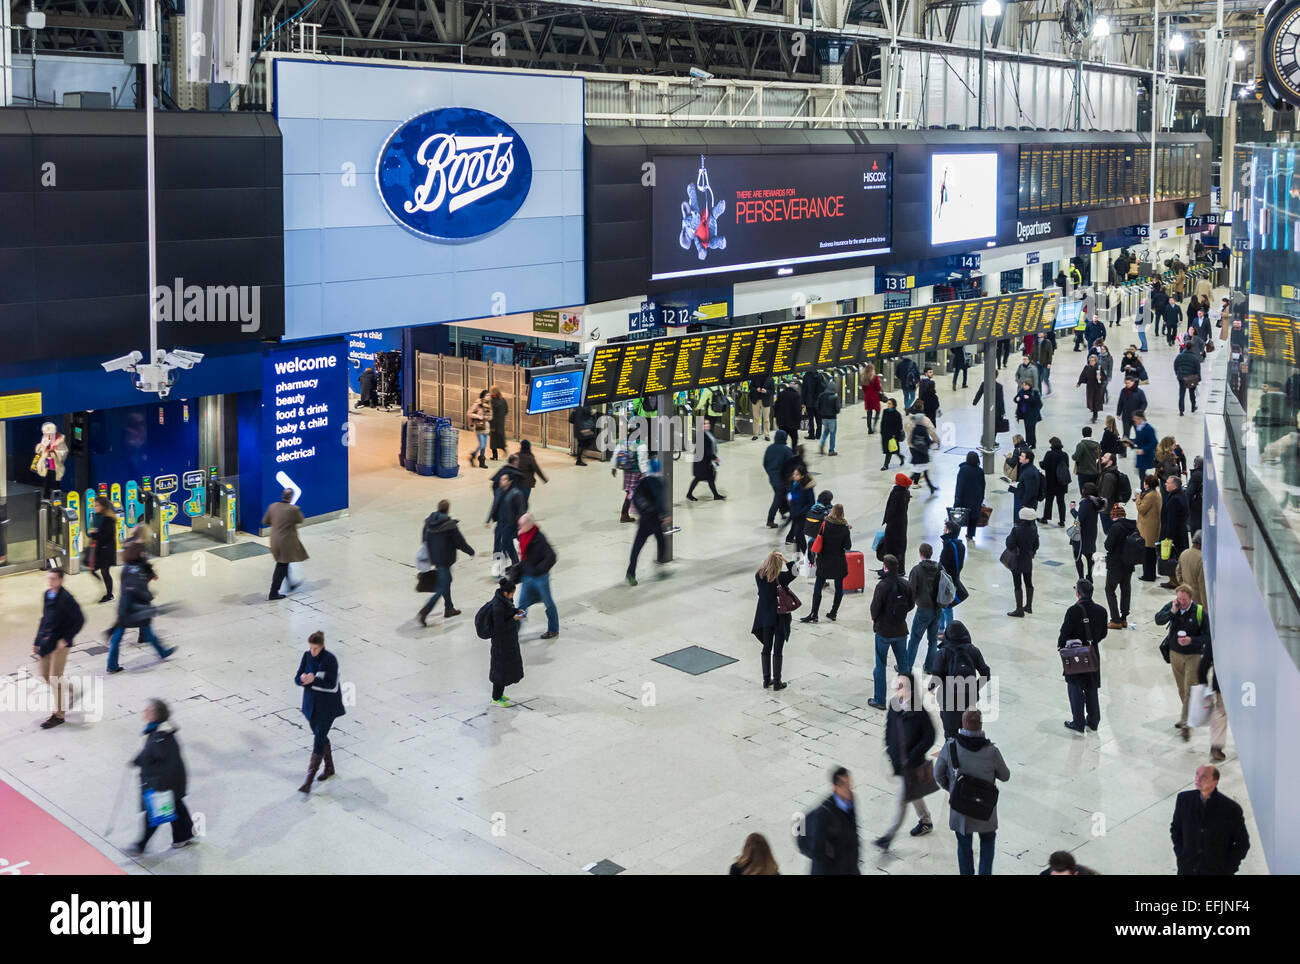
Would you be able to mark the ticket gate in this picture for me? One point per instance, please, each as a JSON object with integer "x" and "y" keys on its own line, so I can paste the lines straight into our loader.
{"x": 57, "y": 527}
{"x": 217, "y": 504}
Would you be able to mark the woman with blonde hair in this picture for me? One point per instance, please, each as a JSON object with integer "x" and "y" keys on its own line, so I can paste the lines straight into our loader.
{"x": 1170, "y": 459}
{"x": 755, "y": 859}
{"x": 771, "y": 626}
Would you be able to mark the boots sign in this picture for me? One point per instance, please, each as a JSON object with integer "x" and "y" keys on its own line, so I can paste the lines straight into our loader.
{"x": 453, "y": 174}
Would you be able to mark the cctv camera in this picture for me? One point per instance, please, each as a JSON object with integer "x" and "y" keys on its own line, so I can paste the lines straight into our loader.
{"x": 699, "y": 73}
{"x": 124, "y": 363}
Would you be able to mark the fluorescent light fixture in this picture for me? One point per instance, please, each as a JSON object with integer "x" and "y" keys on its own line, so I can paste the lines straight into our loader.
{"x": 1239, "y": 53}
{"x": 1177, "y": 44}
{"x": 784, "y": 271}
{"x": 991, "y": 8}
{"x": 1101, "y": 27}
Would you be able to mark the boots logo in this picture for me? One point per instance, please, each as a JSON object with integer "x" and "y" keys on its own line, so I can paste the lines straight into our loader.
{"x": 453, "y": 174}
{"x": 1035, "y": 229}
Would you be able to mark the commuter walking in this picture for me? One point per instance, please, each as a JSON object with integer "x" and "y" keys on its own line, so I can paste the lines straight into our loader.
{"x": 813, "y": 386}
{"x": 970, "y": 491}
{"x": 909, "y": 378}
{"x": 1022, "y": 544}
{"x": 802, "y": 496}
{"x": 1044, "y": 350}
{"x": 1140, "y": 324}
{"x": 61, "y": 620}
{"x": 891, "y": 434}
{"x": 533, "y": 574}
{"x": 497, "y": 422}
{"x": 1144, "y": 443}
{"x": 508, "y": 505}
{"x": 1087, "y": 456}
{"x": 584, "y": 431}
{"x": 871, "y": 393}
{"x": 755, "y": 859}
{"x": 1029, "y": 409}
{"x": 322, "y": 704}
{"x": 775, "y": 459}
{"x": 762, "y": 390}
{"x": 920, "y": 437}
{"x": 909, "y": 734}
{"x": 952, "y": 559}
{"x": 924, "y": 580}
{"x": 1094, "y": 394}
{"x": 498, "y": 620}
{"x": 1130, "y": 402}
{"x": 894, "y": 524}
{"x": 103, "y": 546}
{"x": 890, "y": 603}
{"x": 135, "y": 608}
{"x": 1027, "y": 372}
{"x": 476, "y": 420}
{"x": 1029, "y": 482}
{"x": 1208, "y": 829}
{"x": 1000, "y": 423}
{"x": 1055, "y": 468}
{"x": 960, "y": 673}
{"x": 1125, "y": 549}
{"x": 928, "y": 396}
{"x": 960, "y": 365}
{"x": 1173, "y": 529}
{"x": 832, "y": 564}
{"x": 1150, "y": 505}
{"x": 283, "y": 518}
{"x": 162, "y": 779}
{"x": 772, "y": 614}
{"x": 1190, "y": 570}
{"x": 966, "y": 756}
{"x": 653, "y": 515}
{"x": 442, "y": 538}
{"x": 705, "y": 468}
{"x": 1187, "y": 369}
{"x": 629, "y": 459}
{"x": 1189, "y": 628}
{"x": 1084, "y": 623}
{"x": 1087, "y": 514}
{"x": 1111, "y": 443}
{"x": 831, "y": 835}
{"x": 786, "y": 412}
{"x": 526, "y": 463}
{"x": 1218, "y": 714}
{"x": 828, "y": 411}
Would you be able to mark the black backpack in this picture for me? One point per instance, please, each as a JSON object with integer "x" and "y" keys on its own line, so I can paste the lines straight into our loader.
{"x": 483, "y": 620}
{"x": 959, "y": 663}
{"x": 826, "y": 406}
{"x": 970, "y": 796}
{"x": 901, "y": 601}
{"x": 911, "y": 378}
{"x": 1123, "y": 488}
{"x": 1063, "y": 474}
{"x": 1134, "y": 549}
{"x": 643, "y": 500}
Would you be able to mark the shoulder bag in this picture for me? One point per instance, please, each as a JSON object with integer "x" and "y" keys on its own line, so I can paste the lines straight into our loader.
{"x": 1010, "y": 558}
{"x": 786, "y": 601}
{"x": 1078, "y": 656}
{"x": 816, "y": 546}
{"x": 971, "y": 796}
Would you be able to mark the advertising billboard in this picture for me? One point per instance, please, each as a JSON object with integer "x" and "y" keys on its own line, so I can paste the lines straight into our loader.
{"x": 714, "y": 214}
{"x": 963, "y": 197}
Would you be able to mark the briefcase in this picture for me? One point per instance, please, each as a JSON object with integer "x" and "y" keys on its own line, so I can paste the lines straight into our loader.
{"x": 1078, "y": 657}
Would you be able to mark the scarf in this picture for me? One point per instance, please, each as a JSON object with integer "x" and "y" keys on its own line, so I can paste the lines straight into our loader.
{"x": 525, "y": 538}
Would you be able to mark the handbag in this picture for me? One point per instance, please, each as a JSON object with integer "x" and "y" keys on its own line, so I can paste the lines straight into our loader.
{"x": 816, "y": 546}
{"x": 880, "y": 537}
{"x": 160, "y": 807}
{"x": 970, "y": 796}
{"x": 786, "y": 601}
{"x": 1200, "y": 704}
{"x": 1010, "y": 558}
{"x": 986, "y": 513}
{"x": 36, "y": 464}
{"x": 1166, "y": 548}
{"x": 918, "y": 781}
{"x": 1191, "y": 381}
{"x": 1073, "y": 532}
{"x": 891, "y": 444}
{"x": 1078, "y": 657}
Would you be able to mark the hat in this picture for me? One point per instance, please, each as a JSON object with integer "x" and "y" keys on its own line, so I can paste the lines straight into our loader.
{"x": 902, "y": 478}
{"x": 1084, "y": 588}
{"x": 1028, "y": 515}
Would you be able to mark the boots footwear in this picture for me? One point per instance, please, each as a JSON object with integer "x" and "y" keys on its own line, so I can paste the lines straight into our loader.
{"x": 1019, "y": 611}
{"x": 312, "y": 767}
{"x": 1029, "y": 601}
{"x": 776, "y": 673}
{"x": 329, "y": 762}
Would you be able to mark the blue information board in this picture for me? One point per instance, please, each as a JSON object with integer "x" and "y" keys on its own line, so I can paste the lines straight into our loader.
{"x": 555, "y": 392}
{"x": 304, "y": 426}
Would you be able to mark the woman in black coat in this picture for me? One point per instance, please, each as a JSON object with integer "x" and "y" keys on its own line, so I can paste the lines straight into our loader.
{"x": 162, "y": 770}
{"x": 1029, "y": 409}
{"x": 1093, "y": 379}
{"x": 895, "y": 521}
{"x": 909, "y": 734}
{"x": 772, "y": 628}
{"x": 497, "y": 423}
{"x": 105, "y": 545}
{"x": 1055, "y": 466}
{"x": 970, "y": 491}
{"x": 1173, "y": 526}
{"x": 891, "y": 430}
{"x": 322, "y": 703}
{"x": 831, "y": 561}
{"x": 705, "y": 468}
{"x": 1023, "y": 537}
{"x": 507, "y": 662}
{"x": 1086, "y": 514}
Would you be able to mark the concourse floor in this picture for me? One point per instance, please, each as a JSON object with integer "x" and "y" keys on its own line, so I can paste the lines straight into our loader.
{"x": 607, "y": 755}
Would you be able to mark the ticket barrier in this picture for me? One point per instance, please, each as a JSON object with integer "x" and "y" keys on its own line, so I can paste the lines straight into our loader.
{"x": 57, "y": 528}
{"x": 217, "y": 516}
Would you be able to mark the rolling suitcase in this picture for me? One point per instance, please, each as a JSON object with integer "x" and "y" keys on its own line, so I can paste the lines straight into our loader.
{"x": 856, "y": 580}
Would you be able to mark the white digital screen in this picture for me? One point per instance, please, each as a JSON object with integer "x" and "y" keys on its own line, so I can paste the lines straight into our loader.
{"x": 963, "y": 197}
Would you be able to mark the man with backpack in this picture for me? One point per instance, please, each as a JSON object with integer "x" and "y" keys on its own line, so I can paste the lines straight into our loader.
{"x": 968, "y": 767}
{"x": 909, "y": 379}
{"x": 924, "y": 579}
{"x": 1086, "y": 456}
{"x": 441, "y": 538}
{"x": 960, "y": 672}
{"x": 1084, "y": 622}
{"x": 1125, "y": 549}
{"x": 828, "y": 410}
{"x": 830, "y": 837}
{"x": 890, "y": 604}
{"x": 652, "y": 516}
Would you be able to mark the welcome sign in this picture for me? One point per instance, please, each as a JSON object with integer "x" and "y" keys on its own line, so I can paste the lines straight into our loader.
{"x": 454, "y": 173}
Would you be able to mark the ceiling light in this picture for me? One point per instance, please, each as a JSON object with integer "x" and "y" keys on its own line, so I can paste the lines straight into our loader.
{"x": 1239, "y": 53}
{"x": 991, "y": 8}
{"x": 1101, "y": 27}
{"x": 1177, "y": 44}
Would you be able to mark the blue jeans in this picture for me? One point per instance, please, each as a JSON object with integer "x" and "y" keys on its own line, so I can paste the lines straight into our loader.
{"x": 443, "y": 592}
{"x": 146, "y": 636}
{"x": 945, "y": 618}
{"x": 925, "y": 621}
{"x": 909, "y": 396}
{"x": 1142, "y": 338}
{"x": 966, "y": 853}
{"x": 883, "y": 645}
{"x": 828, "y": 432}
{"x": 538, "y": 589}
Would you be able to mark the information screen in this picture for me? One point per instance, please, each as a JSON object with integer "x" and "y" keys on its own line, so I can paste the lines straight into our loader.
{"x": 739, "y": 212}
{"x": 632, "y": 372}
{"x": 963, "y": 197}
{"x": 764, "y": 351}
{"x": 832, "y": 341}
{"x": 810, "y": 343}
{"x": 740, "y": 348}
{"x": 554, "y": 393}
{"x": 873, "y": 343}
{"x": 662, "y": 367}
{"x": 984, "y": 323}
{"x": 787, "y": 347}
{"x": 711, "y": 363}
{"x": 606, "y": 362}
{"x": 950, "y": 324}
{"x": 852, "y": 346}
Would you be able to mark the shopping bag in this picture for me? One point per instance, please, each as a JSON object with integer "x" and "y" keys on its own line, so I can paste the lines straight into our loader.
{"x": 880, "y": 537}
{"x": 1200, "y": 703}
{"x": 422, "y": 561}
{"x": 893, "y": 445}
{"x": 919, "y": 781}
{"x": 499, "y": 561}
{"x": 1166, "y": 548}
{"x": 160, "y": 807}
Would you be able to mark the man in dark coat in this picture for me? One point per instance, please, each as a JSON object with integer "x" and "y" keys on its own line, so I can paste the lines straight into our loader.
{"x": 970, "y": 491}
{"x": 1085, "y": 621}
{"x": 833, "y": 834}
{"x": 534, "y": 573}
{"x": 999, "y": 408}
{"x": 61, "y": 620}
{"x": 135, "y": 607}
{"x": 705, "y": 468}
{"x": 162, "y": 770}
{"x": 1119, "y": 570}
{"x": 813, "y": 386}
{"x": 1173, "y": 321}
{"x": 775, "y": 458}
{"x": 1208, "y": 830}
{"x": 961, "y": 672}
{"x": 890, "y": 603}
{"x": 1131, "y": 400}
{"x": 442, "y": 538}
{"x": 1187, "y": 369}
{"x": 497, "y": 423}
{"x": 1174, "y": 517}
{"x": 786, "y": 412}
{"x": 366, "y": 381}
{"x": 1029, "y": 484}
{"x": 652, "y": 515}
{"x": 507, "y": 507}
{"x": 894, "y": 522}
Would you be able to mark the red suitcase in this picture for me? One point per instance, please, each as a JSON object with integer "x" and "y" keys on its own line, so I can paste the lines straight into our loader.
{"x": 856, "y": 580}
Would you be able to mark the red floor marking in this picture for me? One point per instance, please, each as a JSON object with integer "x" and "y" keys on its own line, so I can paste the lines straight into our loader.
{"x": 33, "y": 842}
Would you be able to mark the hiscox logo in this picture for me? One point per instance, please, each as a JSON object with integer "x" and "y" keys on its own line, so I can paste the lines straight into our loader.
{"x": 874, "y": 178}
{"x": 1034, "y": 229}
{"x": 453, "y": 173}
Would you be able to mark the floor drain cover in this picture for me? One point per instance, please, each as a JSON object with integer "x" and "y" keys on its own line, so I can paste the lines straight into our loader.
{"x": 694, "y": 660}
